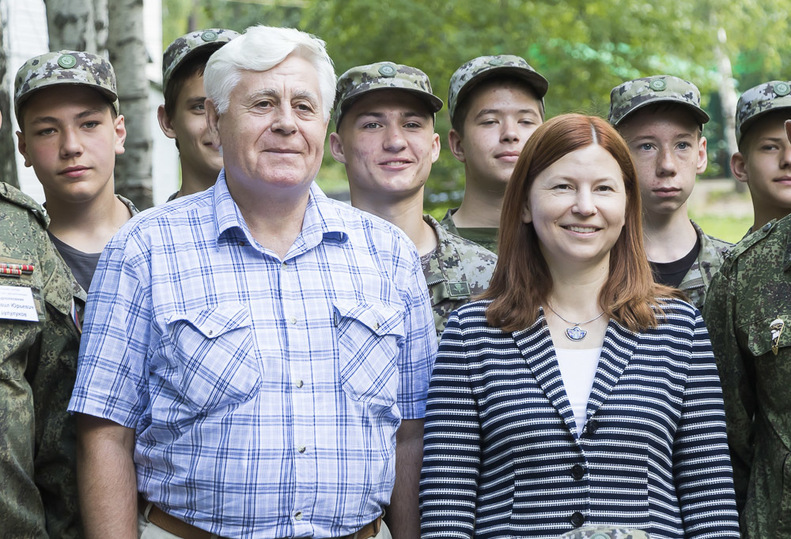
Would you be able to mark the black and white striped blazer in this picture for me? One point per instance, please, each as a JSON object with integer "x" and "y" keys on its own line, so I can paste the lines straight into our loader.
{"x": 502, "y": 458}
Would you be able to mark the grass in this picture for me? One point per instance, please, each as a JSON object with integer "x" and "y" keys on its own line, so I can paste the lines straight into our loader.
{"x": 726, "y": 228}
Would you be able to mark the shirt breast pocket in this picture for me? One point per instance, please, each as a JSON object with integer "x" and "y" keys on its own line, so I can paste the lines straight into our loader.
{"x": 214, "y": 356}
{"x": 370, "y": 337}
{"x": 764, "y": 335}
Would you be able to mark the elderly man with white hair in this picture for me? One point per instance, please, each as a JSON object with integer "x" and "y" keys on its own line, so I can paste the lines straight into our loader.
{"x": 255, "y": 358}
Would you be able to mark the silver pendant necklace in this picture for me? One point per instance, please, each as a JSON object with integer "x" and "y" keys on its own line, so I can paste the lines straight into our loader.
{"x": 575, "y": 332}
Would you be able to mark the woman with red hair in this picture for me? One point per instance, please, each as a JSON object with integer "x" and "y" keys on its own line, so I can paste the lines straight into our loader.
{"x": 576, "y": 392}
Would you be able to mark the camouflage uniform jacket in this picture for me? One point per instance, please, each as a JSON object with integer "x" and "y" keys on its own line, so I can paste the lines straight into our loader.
{"x": 457, "y": 270}
{"x": 38, "y": 362}
{"x": 485, "y": 237}
{"x": 696, "y": 281}
{"x": 750, "y": 294}
{"x": 604, "y": 532}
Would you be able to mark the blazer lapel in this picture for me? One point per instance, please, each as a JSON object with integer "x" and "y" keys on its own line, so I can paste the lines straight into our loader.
{"x": 535, "y": 345}
{"x": 617, "y": 349}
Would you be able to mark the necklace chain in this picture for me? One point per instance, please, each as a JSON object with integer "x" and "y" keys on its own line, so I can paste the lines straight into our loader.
{"x": 575, "y": 323}
{"x": 575, "y": 332}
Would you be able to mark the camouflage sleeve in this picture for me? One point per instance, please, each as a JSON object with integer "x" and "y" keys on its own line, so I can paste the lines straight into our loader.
{"x": 51, "y": 373}
{"x": 737, "y": 377}
{"x": 37, "y": 361}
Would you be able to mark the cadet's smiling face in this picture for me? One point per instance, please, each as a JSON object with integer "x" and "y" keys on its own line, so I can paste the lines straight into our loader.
{"x": 188, "y": 126}
{"x": 500, "y": 117}
{"x": 387, "y": 142}
{"x": 765, "y": 165}
{"x": 272, "y": 134}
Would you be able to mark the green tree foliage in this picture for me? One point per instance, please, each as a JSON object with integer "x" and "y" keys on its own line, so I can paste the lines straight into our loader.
{"x": 583, "y": 47}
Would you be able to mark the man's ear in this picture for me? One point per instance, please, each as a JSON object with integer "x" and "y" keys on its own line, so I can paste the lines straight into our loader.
{"x": 119, "y": 125}
{"x": 164, "y": 122}
{"x": 212, "y": 121}
{"x": 435, "y": 147}
{"x": 454, "y": 143}
{"x": 739, "y": 167}
{"x": 336, "y": 148}
{"x": 22, "y": 146}
{"x": 703, "y": 156}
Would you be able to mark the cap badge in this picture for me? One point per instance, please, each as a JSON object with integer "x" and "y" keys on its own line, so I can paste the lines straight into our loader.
{"x": 387, "y": 70}
{"x": 658, "y": 85}
{"x": 208, "y": 36}
{"x": 67, "y": 61}
{"x": 782, "y": 89}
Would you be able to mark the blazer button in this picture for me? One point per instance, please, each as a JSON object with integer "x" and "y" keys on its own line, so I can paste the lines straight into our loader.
{"x": 593, "y": 426}
{"x": 577, "y": 519}
{"x": 578, "y": 472}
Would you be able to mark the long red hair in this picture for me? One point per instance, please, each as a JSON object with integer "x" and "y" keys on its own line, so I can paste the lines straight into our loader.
{"x": 522, "y": 282}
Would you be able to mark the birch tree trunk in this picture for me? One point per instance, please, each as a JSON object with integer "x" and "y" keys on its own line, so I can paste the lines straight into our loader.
{"x": 727, "y": 92}
{"x": 73, "y": 24}
{"x": 129, "y": 58}
{"x": 7, "y": 146}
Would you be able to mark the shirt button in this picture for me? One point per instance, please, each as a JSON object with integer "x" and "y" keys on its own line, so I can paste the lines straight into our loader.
{"x": 283, "y": 265}
{"x": 578, "y": 472}
{"x": 593, "y": 426}
{"x": 293, "y": 320}
{"x": 298, "y": 515}
{"x": 302, "y": 449}
{"x": 300, "y": 383}
{"x": 210, "y": 333}
{"x": 577, "y": 519}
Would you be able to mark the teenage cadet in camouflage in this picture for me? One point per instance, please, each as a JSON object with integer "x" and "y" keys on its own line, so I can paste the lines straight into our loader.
{"x": 38, "y": 362}
{"x": 662, "y": 121}
{"x": 605, "y": 532}
{"x": 183, "y": 116}
{"x": 748, "y": 313}
{"x": 495, "y": 104}
{"x": 763, "y": 161}
{"x": 70, "y": 130}
{"x": 384, "y": 119}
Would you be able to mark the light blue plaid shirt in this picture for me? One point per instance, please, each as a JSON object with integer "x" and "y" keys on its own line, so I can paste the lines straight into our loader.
{"x": 265, "y": 393}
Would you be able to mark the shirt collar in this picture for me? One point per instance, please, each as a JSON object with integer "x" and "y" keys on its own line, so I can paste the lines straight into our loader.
{"x": 321, "y": 221}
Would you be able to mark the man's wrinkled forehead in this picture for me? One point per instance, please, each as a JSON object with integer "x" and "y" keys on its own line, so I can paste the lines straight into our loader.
{"x": 287, "y": 80}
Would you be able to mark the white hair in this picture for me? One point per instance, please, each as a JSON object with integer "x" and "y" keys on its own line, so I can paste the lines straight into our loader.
{"x": 261, "y": 48}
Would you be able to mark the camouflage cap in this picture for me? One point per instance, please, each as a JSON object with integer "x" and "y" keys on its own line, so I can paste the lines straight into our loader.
{"x": 65, "y": 67}
{"x": 759, "y": 100}
{"x": 632, "y": 95}
{"x": 477, "y": 70}
{"x": 185, "y": 46}
{"x": 381, "y": 76}
{"x": 605, "y": 532}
